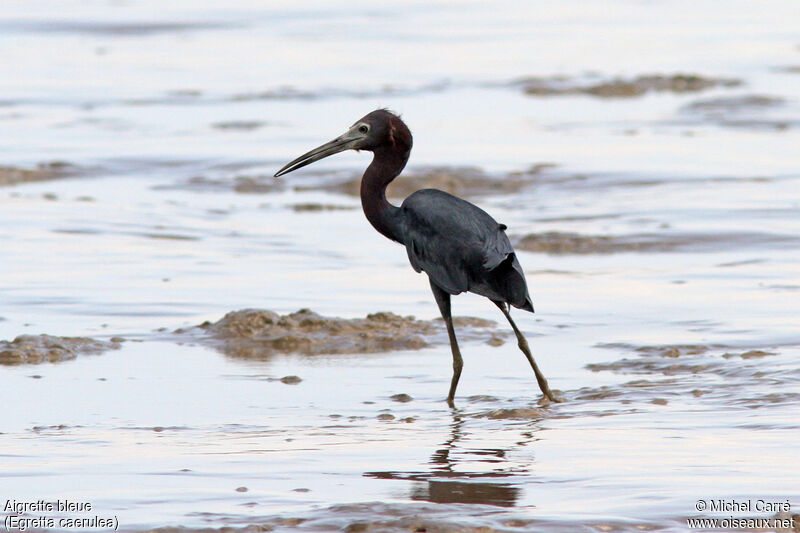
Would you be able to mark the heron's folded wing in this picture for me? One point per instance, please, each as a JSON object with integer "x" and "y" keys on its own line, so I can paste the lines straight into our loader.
{"x": 440, "y": 258}
{"x": 451, "y": 240}
{"x": 497, "y": 248}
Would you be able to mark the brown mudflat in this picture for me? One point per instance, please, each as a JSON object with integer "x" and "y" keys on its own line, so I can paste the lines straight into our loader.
{"x": 557, "y": 242}
{"x": 742, "y": 111}
{"x": 679, "y": 369}
{"x": 259, "y": 333}
{"x": 622, "y": 87}
{"x": 42, "y": 172}
{"x": 460, "y": 181}
{"x": 737, "y": 103}
{"x": 34, "y": 349}
{"x": 464, "y": 181}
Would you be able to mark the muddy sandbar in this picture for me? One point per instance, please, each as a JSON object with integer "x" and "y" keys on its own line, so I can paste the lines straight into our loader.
{"x": 35, "y": 349}
{"x": 42, "y": 172}
{"x": 259, "y": 333}
{"x": 240, "y": 125}
{"x": 655, "y": 360}
{"x": 619, "y": 87}
{"x": 460, "y": 181}
{"x": 747, "y": 110}
{"x": 246, "y": 184}
{"x": 728, "y": 104}
{"x": 558, "y": 243}
{"x": 708, "y": 371}
{"x": 517, "y": 413}
{"x": 310, "y": 207}
{"x": 289, "y": 92}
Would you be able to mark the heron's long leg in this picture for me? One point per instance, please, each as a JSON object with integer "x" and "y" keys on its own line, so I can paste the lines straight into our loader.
{"x": 523, "y": 345}
{"x": 443, "y": 300}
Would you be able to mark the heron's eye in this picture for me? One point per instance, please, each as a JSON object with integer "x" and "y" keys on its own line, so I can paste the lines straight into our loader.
{"x": 363, "y": 128}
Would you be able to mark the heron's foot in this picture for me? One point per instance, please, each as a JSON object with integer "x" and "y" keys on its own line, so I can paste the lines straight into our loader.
{"x": 551, "y": 397}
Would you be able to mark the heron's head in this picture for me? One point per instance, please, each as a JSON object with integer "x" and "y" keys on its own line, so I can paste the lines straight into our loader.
{"x": 376, "y": 131}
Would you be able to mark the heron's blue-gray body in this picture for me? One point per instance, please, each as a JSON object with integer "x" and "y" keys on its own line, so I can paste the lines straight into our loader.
{"x": 462, "y": 248}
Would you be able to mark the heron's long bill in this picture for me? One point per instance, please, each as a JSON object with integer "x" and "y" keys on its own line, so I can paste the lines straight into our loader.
{"x": 339, "y": 144}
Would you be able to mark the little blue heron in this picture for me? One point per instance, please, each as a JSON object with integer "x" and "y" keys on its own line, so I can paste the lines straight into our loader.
{"x": 460, "y": 246}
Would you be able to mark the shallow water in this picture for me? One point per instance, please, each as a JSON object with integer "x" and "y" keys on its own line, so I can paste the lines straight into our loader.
{"x": 678, "y": 357}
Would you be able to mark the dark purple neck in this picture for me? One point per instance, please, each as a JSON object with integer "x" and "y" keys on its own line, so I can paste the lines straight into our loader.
{"x": 386, "y": 165}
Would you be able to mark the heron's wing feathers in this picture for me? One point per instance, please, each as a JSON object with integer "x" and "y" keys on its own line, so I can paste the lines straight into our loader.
{"x": 439, "y": 259}
{"x": 497, "y": 248}
{"x": 453, "y": 241}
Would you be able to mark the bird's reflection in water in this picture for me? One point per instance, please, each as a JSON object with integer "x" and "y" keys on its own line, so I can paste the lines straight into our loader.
{"x": 440, "y": 491}
{"x": 443, "y": 483}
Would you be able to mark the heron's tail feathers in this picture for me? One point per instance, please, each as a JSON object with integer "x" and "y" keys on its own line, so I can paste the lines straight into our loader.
{"x": 527, "y": 306}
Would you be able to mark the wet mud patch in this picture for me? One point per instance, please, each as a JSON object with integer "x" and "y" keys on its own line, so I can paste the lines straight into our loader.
{"x": 650, "y": 367}
{"x": 618, "y": 87}
{"x": 259, "y": 334}
{"x": 460, "y": 181}
{"x": 431, "y": 515}
{"x": 318, "y": 208}
{"x": 660, "y": 360}
{"x": 401, "y": 398}
{"x": 278, "y": 93}
{"x": 666, "y": 350}
{"x": 734, "y": 104}
{"x": 257, "y": 178}
{"x": 35, "y": 349}
{"x": 239, "y": 125}
{"x": 567, "y": 243}
{"x": 750, "y": 354}
{"x": 289, "y": 92}
{"x": 42, "y": 172}
{"x": 760, "y": 400}
{"x": 256, "y": 184}
{"x": 482, "y": 398}
{"x": 732, "y": 375}
{"x": 466, "y": 182}
{"x": 516, "y": 413}
{"x": 742, "y": 111}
